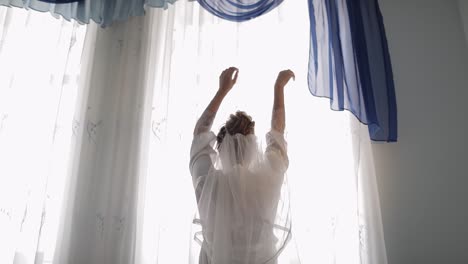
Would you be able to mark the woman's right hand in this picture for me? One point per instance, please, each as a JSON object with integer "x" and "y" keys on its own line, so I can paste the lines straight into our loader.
{"x": 283, "y": 78}
{"x": 227, "y": 79}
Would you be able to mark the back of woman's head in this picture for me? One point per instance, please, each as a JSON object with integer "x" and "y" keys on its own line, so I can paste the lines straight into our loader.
{"x": 238, "y": 123}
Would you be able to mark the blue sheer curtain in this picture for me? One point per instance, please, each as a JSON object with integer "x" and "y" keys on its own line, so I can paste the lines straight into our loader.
{"x": 350, "y": 63}
{"x": 239, "y": 10}
{"x": 103, "y": 12}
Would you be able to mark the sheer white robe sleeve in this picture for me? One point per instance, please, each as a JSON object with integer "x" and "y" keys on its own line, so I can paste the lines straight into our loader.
{"x": 202, "y": 151}
{"x": 276, "y": 152}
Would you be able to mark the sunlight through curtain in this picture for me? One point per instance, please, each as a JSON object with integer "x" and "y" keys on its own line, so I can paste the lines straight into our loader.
{"x": 128, "y": 194}
{"x": 39, "y": 68}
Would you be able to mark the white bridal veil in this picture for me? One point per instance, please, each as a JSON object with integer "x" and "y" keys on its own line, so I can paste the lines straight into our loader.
{"x": 243, "y": 204}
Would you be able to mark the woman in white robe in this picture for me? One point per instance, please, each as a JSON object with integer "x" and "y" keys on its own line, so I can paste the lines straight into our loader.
{"x": 240, "y": 191}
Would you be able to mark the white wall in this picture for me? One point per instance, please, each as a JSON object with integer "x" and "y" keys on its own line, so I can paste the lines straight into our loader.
{"x": 423, "y": 179}
{"x": 463, "y": 4}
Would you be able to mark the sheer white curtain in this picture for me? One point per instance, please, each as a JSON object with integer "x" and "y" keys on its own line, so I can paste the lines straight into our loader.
{"x": 336, "y": 213}
{"x": 39, "y": 67}
{"x": 128, "y": 195}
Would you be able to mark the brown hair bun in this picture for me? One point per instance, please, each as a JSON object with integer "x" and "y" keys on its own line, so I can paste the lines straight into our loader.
{"x": 238, "y": 123}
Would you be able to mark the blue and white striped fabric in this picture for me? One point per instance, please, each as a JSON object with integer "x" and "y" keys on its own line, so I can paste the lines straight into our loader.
{"x": 239, "y": 10}
{"x": 103, "y": 12}
{"x": 350, "y": 63}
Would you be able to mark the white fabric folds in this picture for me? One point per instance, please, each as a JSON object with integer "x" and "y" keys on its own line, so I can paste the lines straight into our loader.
{"x": 103, "y": 12}
{"x": 242, "y": 198}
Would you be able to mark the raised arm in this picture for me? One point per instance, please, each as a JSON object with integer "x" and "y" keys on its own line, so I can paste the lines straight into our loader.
{"x": 278, "y": 119}
{"x": 227, "y": 79}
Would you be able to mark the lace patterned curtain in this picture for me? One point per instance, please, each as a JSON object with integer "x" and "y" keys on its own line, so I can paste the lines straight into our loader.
{"x": 39, "y": 71}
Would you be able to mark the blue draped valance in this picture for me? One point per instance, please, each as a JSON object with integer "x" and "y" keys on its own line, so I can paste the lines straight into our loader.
{"x": 350, "y": 63}
{"x": 349, "y": 58}
{"x": 239, "y": 10}
{"x": 103, "y": 12}
{"x": 60, "y": 1}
